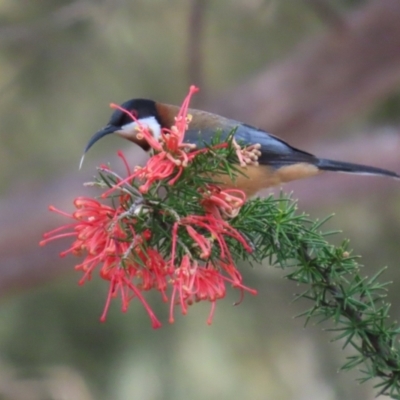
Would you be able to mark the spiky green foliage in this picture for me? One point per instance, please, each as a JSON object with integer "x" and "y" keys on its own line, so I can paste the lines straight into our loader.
{"x": 331, "y": 275}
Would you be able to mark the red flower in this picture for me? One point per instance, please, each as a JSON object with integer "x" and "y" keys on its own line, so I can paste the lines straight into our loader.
{"x": 193, "y": 283}
{"x": 222, "y": 203}
{"x": 106, "y": 239}
{"x": 121, "y": 280}
{"x": 199, "y": 264}
{"x": 218, "y": 229}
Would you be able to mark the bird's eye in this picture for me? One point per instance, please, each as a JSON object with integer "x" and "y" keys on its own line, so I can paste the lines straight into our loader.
{"x": 135, "y": 113}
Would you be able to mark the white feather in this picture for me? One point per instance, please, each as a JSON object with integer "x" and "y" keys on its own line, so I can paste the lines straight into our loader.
{"x": 150, "y": 122}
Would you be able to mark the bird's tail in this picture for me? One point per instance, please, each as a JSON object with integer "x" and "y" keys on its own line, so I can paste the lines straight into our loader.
{"x": 339, "y": 166}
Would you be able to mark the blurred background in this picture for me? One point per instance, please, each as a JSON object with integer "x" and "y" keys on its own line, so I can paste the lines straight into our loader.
{"x": 324, "y": 75}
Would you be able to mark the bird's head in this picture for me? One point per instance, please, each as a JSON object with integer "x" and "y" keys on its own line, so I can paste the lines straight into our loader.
{"x": 120, "y": 123}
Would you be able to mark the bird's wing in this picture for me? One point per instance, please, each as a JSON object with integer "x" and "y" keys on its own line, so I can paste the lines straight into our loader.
{"x": 274, "y": 151}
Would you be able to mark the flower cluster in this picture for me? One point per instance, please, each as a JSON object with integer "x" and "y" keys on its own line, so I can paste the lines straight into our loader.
{"x": 187, "y": 260}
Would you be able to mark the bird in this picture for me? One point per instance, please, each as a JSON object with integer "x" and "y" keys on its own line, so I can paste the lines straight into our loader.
{"x": 278, "y": 162}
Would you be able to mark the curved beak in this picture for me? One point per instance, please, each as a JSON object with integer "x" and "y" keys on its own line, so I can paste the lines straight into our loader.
{"x": 128, "y": 131}
{"x": 98, "y": 135}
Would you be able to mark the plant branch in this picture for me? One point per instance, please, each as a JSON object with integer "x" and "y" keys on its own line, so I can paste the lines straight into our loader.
{"x": 356, "y": 305}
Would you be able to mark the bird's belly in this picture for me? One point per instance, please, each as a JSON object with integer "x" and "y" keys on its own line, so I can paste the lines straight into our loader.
{"x": 261, "y": 177}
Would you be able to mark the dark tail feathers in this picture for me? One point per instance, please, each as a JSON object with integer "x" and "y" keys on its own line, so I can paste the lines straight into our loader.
{"x": 330, "y": 165}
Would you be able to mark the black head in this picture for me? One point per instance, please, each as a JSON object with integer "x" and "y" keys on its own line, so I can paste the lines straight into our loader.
{"x": 121, "y": 123}
{"x": 140, "y": 108}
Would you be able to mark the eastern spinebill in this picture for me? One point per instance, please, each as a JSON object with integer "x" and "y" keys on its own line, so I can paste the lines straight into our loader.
{"x": 277, "y": 163}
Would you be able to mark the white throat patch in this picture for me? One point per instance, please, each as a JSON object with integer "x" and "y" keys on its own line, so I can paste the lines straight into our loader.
{"x": 150, "y": 122}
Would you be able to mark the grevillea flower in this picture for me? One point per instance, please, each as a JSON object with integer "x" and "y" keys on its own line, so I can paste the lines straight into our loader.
{"x": 129, "y": 255}
{"x": 107, "y": 240}
{"x": 222, "y": 203}
{"x": 193, "y": 283}
{"x": 217, "y": 230}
